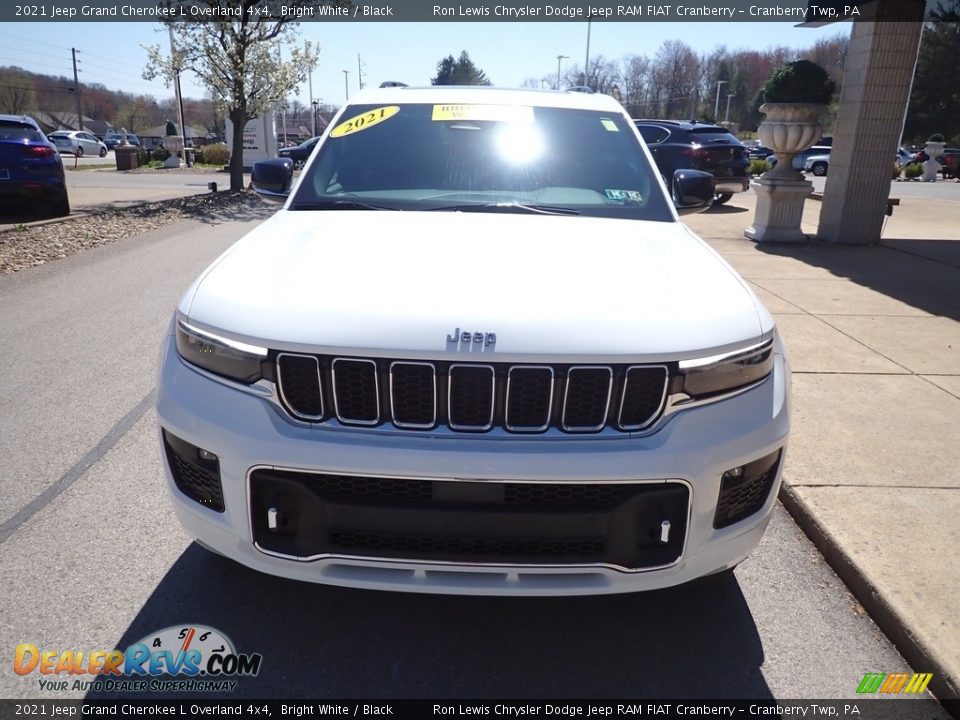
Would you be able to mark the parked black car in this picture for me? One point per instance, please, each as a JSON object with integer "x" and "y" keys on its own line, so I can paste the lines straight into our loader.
{"x": 299, "y": 153}
{"x": 759, "y": 152}
{"x": 679, "y": 145}
{"x": 950, "y": 163}
{"x": 31, "y": 171}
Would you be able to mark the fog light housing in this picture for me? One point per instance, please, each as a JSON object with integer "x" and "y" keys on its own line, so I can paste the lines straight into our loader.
{"x": 744, "y": 489}
{"x": 195, "y": 471}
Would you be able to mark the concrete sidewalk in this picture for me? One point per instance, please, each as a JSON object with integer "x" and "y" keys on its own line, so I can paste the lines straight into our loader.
{"x": 873, "y": 470}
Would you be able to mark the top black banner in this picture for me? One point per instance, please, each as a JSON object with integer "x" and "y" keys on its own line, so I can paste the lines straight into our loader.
{"x": 794, "y": 11}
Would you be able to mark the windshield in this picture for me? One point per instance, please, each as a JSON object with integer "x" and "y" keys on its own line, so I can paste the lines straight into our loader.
{"x": 497, "y": 158}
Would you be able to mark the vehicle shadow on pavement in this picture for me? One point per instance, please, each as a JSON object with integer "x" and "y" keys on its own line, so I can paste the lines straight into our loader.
{"x": 922, "y": 273}
{"x": 698, "y": 640}
{"x": 726, "y": 209}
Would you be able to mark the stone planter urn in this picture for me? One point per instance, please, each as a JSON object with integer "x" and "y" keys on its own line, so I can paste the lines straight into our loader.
{"x": 174, "y": 145}
{"x": 931, "y": 167}
{"x": 789, "y": 128}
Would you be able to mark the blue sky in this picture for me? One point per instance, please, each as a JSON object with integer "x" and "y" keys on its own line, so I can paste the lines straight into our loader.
{"x": 111, "y": 53}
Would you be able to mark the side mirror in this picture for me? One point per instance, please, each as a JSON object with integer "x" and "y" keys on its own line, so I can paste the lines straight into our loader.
{"x": 692, "y": 191}
{"x": 272, "y": 179}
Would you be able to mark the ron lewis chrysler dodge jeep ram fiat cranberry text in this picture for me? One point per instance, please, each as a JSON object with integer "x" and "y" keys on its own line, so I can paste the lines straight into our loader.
{"x": 475, "y": 352}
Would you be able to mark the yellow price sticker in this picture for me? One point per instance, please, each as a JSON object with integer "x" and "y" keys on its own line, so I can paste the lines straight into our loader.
{"x": 498, "y": 113}
{"x": 609, "y": 125}
{"x": 364, "y": 121}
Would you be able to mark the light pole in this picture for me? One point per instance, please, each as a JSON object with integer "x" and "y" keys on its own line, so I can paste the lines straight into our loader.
{"x": 726, "y": 118}
{"x": 346, "y": 84}
{"x": 716, "y": 105}
{"x": 586, "y": 63}
{"x": 316, "y": 110}
{"x": 559, "y": 59}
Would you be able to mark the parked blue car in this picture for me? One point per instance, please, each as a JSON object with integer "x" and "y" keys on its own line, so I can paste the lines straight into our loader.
{"x": 31, "y": 171}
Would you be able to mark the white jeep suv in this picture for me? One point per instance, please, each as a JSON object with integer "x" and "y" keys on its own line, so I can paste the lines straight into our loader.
{"x": 475, "y": 352}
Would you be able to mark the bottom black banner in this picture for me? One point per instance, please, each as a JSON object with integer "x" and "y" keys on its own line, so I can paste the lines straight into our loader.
{"x": 893, "y": 709}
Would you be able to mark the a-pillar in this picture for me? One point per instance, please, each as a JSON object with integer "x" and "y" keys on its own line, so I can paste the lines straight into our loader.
{"x": 877, "y": 75}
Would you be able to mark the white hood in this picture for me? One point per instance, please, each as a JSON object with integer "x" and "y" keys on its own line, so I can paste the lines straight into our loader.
{"x": 398, "y": 283}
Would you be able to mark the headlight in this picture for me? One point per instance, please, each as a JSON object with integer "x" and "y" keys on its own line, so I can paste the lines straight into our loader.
{"x": 724, "y": 373}
{"x": 230, "y": 358}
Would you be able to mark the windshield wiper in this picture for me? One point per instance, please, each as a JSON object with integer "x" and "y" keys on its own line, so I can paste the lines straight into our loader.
{"x": 338, "y": 205}
{"x": 507, "y": 207}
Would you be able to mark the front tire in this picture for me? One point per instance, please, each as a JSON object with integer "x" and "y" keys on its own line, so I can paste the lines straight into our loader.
{"x": 103, "y": 152}
{"x": 721, "y": 198}
{"x": 819, "y": 169}
{"x": 79, "y": 152}
{"x": 298, "y": 164}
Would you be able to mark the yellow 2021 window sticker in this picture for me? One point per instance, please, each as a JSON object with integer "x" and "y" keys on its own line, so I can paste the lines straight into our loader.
{"x": 364, "y": 121}
{"x": 498, "y": 113}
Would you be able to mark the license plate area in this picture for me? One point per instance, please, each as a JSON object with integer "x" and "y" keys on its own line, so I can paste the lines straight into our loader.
{"x": 633, "y": 526}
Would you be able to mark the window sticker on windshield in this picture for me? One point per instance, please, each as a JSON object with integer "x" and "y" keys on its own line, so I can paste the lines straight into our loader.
{"x": 499, "y": 113}
{"x": 364, "y": 120}
{"x": 609, "y": 124}
{"x": 627, "y": 196}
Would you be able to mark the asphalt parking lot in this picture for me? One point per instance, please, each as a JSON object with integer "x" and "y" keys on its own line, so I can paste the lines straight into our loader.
{"x": 94, "y": 559}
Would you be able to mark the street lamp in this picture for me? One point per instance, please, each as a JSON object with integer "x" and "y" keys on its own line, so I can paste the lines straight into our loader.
{"x": 346, "y": 84}
{"x": 316, "y": 110}
{"x": 586, "y": 63}
{"x": 716, "y": 105}
{"x": 726, "y": 118}
{"x": 559, "y": 59}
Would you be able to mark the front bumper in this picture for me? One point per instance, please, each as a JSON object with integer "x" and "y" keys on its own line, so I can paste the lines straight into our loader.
{"x": 693, "y": 449}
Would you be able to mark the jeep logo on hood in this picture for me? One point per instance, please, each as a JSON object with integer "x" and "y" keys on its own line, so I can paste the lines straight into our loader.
{"x": 467, "y": 340}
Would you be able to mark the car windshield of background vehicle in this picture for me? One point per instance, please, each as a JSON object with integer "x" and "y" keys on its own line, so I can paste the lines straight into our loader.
{"x": 493, "y": 158}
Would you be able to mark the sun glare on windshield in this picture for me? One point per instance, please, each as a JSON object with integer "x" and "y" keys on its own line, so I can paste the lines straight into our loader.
{"x": 520, "y": 143}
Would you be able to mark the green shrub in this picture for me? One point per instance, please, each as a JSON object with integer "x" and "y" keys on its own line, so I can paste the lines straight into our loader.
{"x": 800, "y": 81}
{"x": 913, "y": 170}
{"x": 936, "y": 138}
{"x": 161, "y": 154}
{"x": 216, "y": 154}
{"x": 758, "y": 166}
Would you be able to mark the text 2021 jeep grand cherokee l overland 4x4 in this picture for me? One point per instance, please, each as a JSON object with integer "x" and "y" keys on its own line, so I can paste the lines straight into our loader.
{"x": 475, "y": 352}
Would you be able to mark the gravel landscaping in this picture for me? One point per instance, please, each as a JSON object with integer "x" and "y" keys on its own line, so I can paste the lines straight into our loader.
{"x": 25, "y": 246}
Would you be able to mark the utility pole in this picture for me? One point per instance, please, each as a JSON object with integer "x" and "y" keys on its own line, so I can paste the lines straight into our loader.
{"x": 346, "y": 84}
{"x": 586, "y": 63}
{"x": 313, "y": 109}
{"x": 360, "y": 71}
{"x": 176, "y": 90}
{"x": 559, "y": 59}
{"x": 76, "y": 89}
{"x": 716, "y": 105}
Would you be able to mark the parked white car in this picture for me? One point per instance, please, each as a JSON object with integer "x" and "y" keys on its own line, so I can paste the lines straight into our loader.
{"x": 817, "y": 164}
{"x": 475, "y": 352}
{"x": 77, "y": 142}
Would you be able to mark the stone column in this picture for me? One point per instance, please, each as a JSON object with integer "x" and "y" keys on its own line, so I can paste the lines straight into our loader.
{"x": 877, "y": 76}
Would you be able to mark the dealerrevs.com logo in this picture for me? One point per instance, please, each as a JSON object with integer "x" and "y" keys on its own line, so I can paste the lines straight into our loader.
{"x": 191, "y": 658}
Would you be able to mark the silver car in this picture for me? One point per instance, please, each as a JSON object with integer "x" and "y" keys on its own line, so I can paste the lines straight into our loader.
{"x": 77, "y": 142}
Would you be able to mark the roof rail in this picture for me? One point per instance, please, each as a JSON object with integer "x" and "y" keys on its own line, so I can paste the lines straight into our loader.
{"x": 392, "y": 83}
{"x": 580, "y": 89}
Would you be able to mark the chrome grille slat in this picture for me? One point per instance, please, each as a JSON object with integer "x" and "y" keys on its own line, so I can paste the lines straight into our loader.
{"x": 586, "y": 403}
{"x": 459, "y": 400}
{"x": 652, "y": 396}
{"x": 520, "y": 392}
{"x": 359, "y": 398}
{"x": 406, "y": 386}
{"x": 298, "y": 393}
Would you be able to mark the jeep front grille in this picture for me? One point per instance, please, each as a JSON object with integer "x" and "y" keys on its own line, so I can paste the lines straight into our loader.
{"x": 471, "y": 397}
